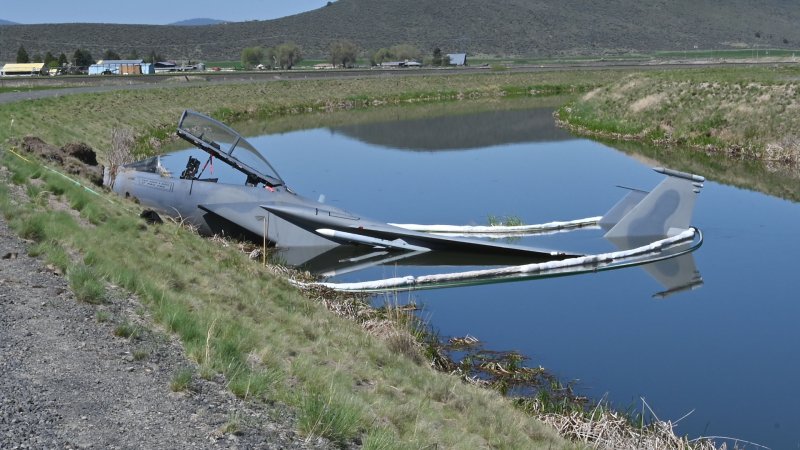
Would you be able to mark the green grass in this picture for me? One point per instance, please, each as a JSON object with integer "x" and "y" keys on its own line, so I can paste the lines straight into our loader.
{"x": 750, "y": 53}
{"x": 332, "y": 415}
{"x": 126, "y": 330}
{"x": 25, "y": 88}
{"x": 181, "y": 380}
{"x": 86, "y": 284}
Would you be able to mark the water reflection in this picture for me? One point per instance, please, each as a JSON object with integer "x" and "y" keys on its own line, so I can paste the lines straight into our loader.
{"x": 460, "y": 132}
{"x": 674, "y": 268}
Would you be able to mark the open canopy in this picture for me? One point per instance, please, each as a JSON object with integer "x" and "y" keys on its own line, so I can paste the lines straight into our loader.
{"x": 226, "y": 144}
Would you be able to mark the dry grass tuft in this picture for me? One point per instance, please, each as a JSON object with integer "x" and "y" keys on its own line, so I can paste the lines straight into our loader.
{"x": 614, "y": 431}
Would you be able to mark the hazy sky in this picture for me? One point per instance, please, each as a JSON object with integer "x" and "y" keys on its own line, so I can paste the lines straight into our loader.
{"x": 158, "y": 12}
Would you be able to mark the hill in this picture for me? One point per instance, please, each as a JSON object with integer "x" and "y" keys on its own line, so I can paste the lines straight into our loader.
{"x": 7, "y": 22}
{"x": 503, "y": 28}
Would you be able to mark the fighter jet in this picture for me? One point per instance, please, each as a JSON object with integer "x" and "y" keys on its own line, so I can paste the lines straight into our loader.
{"x": 259, "y": 206}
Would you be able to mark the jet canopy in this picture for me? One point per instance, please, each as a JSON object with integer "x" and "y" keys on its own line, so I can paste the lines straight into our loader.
{"x": 226, "y": 144}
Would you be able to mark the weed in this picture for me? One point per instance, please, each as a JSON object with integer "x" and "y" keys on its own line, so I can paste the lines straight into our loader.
{"x": 86, "y": 284}
{"x": 233, "y": 425}
{"x": 207, "y": 372}
{"x": 333, "y": 416}
{"x": 506, "y": 221}
{"x": 102, "y": 316}
{"x": 140, "y": 354}
{"x": 53, "y": 252}
{"x": 126, "y": 330}
{"x": 32, "y": 228}
{"x": 181, "y": 380}
{"x": 247, "y": 384}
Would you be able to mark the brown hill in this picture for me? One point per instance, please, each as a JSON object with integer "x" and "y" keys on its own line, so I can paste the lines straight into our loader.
{"x": 502, "y": 27}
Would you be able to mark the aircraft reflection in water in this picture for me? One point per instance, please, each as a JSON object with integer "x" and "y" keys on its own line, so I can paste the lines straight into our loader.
{"x": 650, "y": 228}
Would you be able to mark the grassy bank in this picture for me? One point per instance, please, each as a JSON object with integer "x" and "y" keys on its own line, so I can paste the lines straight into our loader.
{"x": 745, "y": 113}
{"x": 90, "y": 118}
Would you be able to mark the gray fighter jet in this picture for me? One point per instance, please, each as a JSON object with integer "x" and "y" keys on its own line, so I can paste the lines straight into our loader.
{"x": 261, "y": 207}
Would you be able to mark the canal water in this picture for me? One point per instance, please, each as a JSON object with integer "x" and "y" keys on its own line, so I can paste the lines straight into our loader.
{"x": 725, "y": 351}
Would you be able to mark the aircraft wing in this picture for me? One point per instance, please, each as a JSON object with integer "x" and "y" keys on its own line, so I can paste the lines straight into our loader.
{"x": 344, "y": 228}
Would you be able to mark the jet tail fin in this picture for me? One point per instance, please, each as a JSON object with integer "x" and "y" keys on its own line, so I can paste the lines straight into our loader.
{"x": 665, "y": 211}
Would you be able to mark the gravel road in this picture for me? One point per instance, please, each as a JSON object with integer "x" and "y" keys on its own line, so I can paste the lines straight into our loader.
{"x": 66, "y": 381}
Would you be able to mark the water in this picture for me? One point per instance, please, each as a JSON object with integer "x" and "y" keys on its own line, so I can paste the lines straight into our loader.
{"x": 727, "y": 351}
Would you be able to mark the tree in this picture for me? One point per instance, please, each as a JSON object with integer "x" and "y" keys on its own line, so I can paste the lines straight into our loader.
{"x": 252, "y": 56}
{"x": 50, "y": 60}
{"x": 288, "y": 54}
{"x": 111, "y": 55}
{"x": 437, "y": 57}
{"x": 22, "y": 56}
{"x": 270, "y": 58}
{"x": 380, "y": 56}
{"x": 403, "y": 52}
{"x": 82, "y": 58}
{"x": 37, "y": 58}
{"x": 343, "y": 53}
{"x": 134, "y": 55}
{"x": 153, "y": 58}
{"x": 62, "y": 60}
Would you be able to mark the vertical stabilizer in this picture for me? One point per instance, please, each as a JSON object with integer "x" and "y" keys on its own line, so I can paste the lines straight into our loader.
{"x": 663, "y": 212}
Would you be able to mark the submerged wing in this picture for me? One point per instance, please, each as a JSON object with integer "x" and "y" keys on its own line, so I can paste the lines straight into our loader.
{"x": 342, "y": 227}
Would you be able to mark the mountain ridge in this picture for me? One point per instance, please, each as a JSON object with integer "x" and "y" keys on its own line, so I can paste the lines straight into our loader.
{"x": 503, "y": 28}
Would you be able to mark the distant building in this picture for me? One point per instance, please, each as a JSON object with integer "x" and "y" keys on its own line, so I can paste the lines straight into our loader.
{"x": 118, "y": 67}
{"x": 16, "y": 69}
{"x": 406, "y": 63}
{"x": 457, "y": 59}
{"x": 165, "y": 66}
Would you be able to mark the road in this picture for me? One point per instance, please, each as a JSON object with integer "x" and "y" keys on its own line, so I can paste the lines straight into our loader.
{"x": 45, "y": 87}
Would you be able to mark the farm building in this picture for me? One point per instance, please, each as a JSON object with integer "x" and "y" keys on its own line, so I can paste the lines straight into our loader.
{"x": 120, "y": 67}
{"x": 405, "y": 63}
{"x": 457, "y": 59}
{"x": 165, "y": 66}
{"x": 13, "y": 69}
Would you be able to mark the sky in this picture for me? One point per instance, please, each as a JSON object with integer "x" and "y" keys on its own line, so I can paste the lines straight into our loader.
{"x": 153, "y": 12}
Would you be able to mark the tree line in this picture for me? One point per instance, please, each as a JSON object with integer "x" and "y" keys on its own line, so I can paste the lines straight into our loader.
{"x": 341, "y": 53}
{"x": 80, "y": 58}
{"x": 283, "y": 56}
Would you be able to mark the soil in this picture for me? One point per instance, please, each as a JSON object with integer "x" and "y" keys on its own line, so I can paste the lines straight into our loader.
{"x": 66, "y": 380}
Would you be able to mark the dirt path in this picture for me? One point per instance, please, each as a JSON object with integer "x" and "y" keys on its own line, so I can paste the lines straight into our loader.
{"x": 66, "y": 381}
